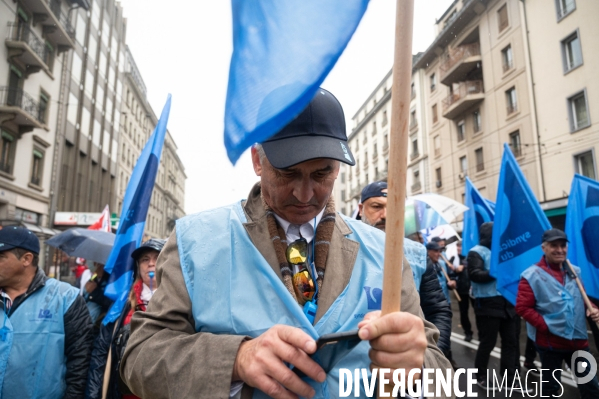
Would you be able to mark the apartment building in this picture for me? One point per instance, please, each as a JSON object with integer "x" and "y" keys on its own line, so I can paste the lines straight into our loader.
{"x": 369, "y": 142}
{"x": 138, "y": 122}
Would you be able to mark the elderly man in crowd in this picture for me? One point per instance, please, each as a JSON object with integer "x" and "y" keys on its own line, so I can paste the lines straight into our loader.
{"x": 551, "y": 303}
{"x": 246, "y": 289}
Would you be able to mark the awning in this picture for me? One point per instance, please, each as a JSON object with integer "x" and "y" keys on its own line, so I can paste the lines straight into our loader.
{"x": 32, "y": 227}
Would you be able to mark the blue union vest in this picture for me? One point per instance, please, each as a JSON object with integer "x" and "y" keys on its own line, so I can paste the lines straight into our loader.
{"x": 416, "y": 255}
{"x": 233, "y": 290}
{"x": 484, "y": 290}
{"x": 32, "y": 362}
{"x": 561, "y": 306}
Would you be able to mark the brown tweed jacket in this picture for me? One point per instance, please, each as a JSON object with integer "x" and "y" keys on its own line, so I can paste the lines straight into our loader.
{"x": 166, "y": 358}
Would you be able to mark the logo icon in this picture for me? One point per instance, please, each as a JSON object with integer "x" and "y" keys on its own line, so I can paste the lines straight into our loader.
{"x": 45, "y": 314}
{"x": 346, "y": 154}
{"x": 374, "y": 297}
{"x": 579, "y": 366}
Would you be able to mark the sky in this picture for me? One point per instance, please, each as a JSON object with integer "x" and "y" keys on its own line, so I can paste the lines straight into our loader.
{"x": 185, "y": 49}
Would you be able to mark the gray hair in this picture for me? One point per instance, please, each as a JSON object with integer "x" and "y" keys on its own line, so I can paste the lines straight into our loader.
{"x": 260, "y": 151}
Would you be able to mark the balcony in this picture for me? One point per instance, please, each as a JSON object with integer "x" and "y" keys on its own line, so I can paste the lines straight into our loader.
{"x": 26, "y": 48}
{"x": 465, "y": 96}
{"x": 380, "y": 175}
{"x": 19, "y": 109}
{"x": 417, "y": 186}
{"x": 56, "y": 24}
{"x": 461, "y": 60}
{"x": 414, "y": 155}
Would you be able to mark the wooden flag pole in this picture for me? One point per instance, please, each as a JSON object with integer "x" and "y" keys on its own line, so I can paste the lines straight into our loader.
{"x": 398, "y": 158}
{"x": 585, "y": 297}
{"x": 455, "y": 291}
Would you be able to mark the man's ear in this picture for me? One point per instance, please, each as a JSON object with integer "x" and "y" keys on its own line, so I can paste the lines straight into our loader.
{"x": 360, "y": 208}
{"x": 27, "y": 259}
{"x": 256, "y": 162}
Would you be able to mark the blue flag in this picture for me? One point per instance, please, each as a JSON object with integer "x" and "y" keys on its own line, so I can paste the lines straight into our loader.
{"x": 582, "y": 228}
{"x": 517, "y": 230}
{"x": 282, "y": 52}
{"x": 480, "y": 210}
{"x": 120, "y": 265}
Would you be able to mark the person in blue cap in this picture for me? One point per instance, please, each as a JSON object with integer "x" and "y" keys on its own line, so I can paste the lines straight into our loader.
{"x": 46, "y": 330}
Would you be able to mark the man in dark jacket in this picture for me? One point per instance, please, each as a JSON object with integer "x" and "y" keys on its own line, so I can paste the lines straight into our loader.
{"x": 436, "y": 309}
{"x": 45, "y": 338}
{"x": 494, "y": 314}
{"x": 463, "y": 288}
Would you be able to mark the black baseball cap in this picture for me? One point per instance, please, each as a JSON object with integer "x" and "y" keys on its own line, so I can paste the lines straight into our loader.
{"x": 18, "y": 237}
{"x": 153, "y": 244}
{"x": 433, "y": 246}
{"x": 374, "y": 190}
{"x": 317, "y": 132}
{"x": 553, "y": 235}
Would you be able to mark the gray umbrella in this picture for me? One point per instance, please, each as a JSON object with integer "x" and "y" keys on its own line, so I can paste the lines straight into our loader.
{"x": 94, "y": 245}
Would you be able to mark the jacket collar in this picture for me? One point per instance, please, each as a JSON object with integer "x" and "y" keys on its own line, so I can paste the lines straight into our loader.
{"x": 340, "y": 261}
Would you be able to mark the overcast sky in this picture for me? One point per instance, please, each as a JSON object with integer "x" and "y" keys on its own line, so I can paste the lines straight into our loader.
{"x": 184, "y": 48}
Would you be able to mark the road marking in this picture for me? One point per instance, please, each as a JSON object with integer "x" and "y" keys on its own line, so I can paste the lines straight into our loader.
{"x": 496, "y": 353}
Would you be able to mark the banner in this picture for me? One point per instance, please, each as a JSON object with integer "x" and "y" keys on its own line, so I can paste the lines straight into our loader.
{"x": 103, "y": 223}
{"x": 582, "y": 228}
{"x": 282, "y": 52}
{"x": 480, "y": 210}
{"x": 517, "y": 230}
{"x": 120, "y": 265}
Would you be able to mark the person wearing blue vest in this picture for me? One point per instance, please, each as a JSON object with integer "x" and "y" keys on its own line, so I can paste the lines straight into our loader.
{"x": 46, "y": 330}
{"x": 245, "y": 290}
{"x": 436, "y": 309}
{"x": 494, "y": 314}
{"x": 551, "y": 303}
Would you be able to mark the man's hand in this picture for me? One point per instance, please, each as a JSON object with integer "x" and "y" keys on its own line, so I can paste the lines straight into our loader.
{"x": 397, "y": 340}
{"x": 593, "y": 314}
{"x": 452, "y": 284}
{"x": 459, "y": 269}
{"x": 90, "y": 286}
{"x": 260, "y": 363}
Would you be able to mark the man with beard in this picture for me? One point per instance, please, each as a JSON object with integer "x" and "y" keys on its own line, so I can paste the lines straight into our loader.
{"x": 436, "y": 309}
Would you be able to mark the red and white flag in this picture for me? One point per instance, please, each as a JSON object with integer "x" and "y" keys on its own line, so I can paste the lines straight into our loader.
{"x": 103, "y": 223}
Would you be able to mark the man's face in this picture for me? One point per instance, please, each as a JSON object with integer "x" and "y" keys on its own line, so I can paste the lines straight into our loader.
{"x": 555, "y": 251}
{"x": 299, "y": 193}
{"x": 12, "y": 268}
{"x": 442, "y": 245}
{"x": 374, "y": 211}
{"x": 434, "y": 254}
{"x": 147, "y": 264}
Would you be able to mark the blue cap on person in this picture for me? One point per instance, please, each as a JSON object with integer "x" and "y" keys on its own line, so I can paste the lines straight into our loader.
{"x": 18, "y": 237}
{"x": 374, "y": 190}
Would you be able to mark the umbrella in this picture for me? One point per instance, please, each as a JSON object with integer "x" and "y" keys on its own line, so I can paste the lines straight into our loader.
{"x": 90, "y": 244}
{"x": 430, "y": 210}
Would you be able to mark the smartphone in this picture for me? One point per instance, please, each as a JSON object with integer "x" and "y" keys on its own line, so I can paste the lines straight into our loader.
{"x": 330, "y": 348}
{"x": 337, "y": 337}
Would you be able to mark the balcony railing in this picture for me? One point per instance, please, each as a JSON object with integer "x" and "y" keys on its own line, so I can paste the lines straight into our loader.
{"x": 414, "y": 155}
{"x": 507, "y": 65}
{"x": 61, "y": 17}
{"x": 22, "y": 33}
{"x": 458, "y": 54}
{"x": 416, "y": 186}
{"x": 14, "y": 97}
{"x": 511, "y": 108}
{"x": 464, "y": 89}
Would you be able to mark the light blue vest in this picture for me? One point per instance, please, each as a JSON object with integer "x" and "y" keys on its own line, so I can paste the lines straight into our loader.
{"x": 233, "y": 290}
{"x": 484, "y": 290}
{"x": 32, "y": 362}
{"x": 443, "y": 280}
{"x": 416, "y": 255}
{"x": 561, "y": 306}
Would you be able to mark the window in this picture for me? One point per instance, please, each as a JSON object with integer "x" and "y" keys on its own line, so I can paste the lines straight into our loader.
{"x": 375, "y": 150}
{"x": 43, "y": 108}
{"x": 342, "y": 177}
{"x": 384, "y": 123}
{"x": 480, "y": 160}
{"x": 8, "y": 152}
{"x": 439, "y": 182}
{"x": 578, "y": 109}
{"x": 461, "y": 131}
{"x": 435, "y": 115}
{"x": 507, "y": 58}
{"x": 464, "y": 165}
{"x": 564, "y": 7}
{"x": 412, "y": 91}
{"x": 373, "y": 128}
{"x": 585, "y": 164}
{"x": 342, "y": 195}
{"x": 511, "y": 101}
{"x": 385, "y": 142}
{"x": 415, "y": 152}
{"x": 433, "y": 82}
{"x": 37, "y": 167}
{"x": 571, "y": 52}
{"x": 515, "y": 143}
{"x": 437, "y": 141}
{"x": 477, "y": 123}
{"x": 413, "y": 119}
{"x": 503, "y": 18}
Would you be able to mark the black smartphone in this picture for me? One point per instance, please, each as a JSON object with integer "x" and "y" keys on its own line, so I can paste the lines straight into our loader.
{"x": 336, "y": 337}
{"x": 330, "y": 348}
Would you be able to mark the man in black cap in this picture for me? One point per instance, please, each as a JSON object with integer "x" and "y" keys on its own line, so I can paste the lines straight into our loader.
{"x": 45, "y": 338}
{"x": 556, "y": 322}
{"x": 246, "y": 289}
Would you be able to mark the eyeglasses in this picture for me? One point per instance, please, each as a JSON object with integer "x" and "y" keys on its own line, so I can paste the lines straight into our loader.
{"x": 303, "y": 284}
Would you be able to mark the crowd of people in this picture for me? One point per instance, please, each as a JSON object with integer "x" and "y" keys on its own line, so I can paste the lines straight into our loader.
{"x": 234, "y": 304}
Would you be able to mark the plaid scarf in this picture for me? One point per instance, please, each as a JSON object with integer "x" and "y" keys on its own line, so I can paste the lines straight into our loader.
{"x": 324, "y": 233}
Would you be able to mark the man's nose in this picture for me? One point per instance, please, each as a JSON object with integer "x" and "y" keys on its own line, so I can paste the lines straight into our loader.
{"x": 303, "y": 191}
{"x": 384, "y": 214}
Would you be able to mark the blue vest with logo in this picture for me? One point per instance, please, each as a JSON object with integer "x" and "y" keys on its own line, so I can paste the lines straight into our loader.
{"x": 442, "y": 279}
{"x": 484, "y": 290}
{"x": 416, "y": 255}
{"x": 233, "y": 289}
{"x": 32, "y": 362}
{"x": 561, "y": 306}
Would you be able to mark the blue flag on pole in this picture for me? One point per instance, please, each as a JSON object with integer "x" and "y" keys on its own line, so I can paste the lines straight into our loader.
{"x": 517, "y": 230}
{"x": 582, "y": 228}
{"x": 282, "y": 52}
{"x": 120, "y": 265}
{"x": 480, "y": 210}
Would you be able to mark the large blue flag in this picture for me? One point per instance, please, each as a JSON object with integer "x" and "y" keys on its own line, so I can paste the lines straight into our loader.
{"x": 480, "y": 210}
{"x": 120, "y": 265}
{"x": 282, "y": 52}
{"x": 582, "y": 228}
{"x": 518, "y": 227}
